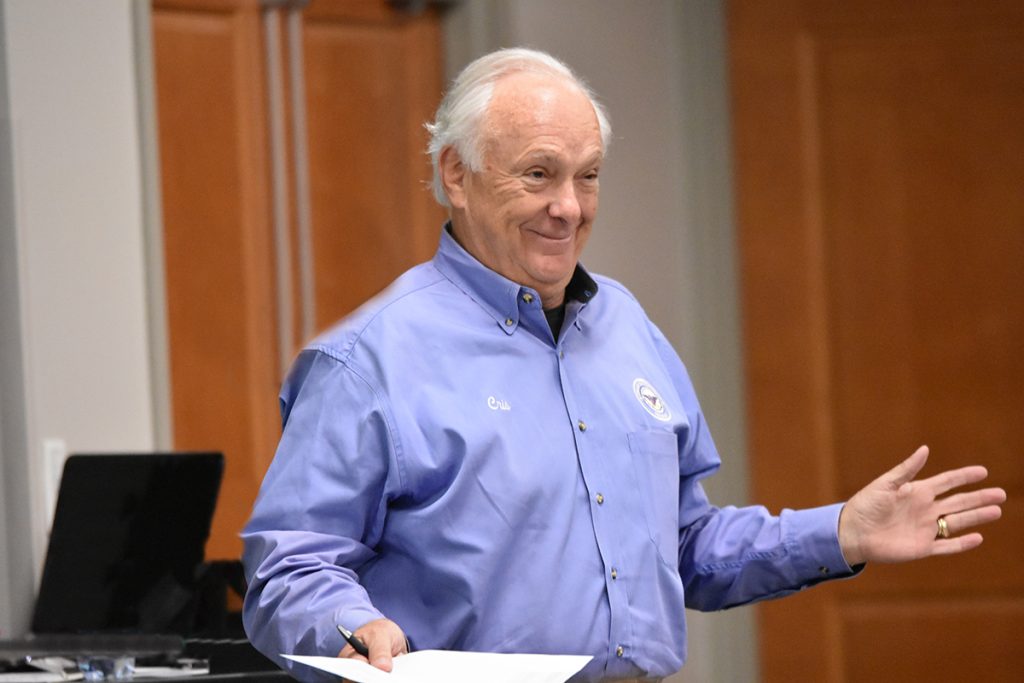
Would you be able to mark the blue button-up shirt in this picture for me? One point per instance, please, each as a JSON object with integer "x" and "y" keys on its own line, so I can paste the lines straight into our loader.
{"x": 449, "y": 464}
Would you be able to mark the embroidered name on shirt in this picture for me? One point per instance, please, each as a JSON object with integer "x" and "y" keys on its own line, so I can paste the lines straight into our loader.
{"x": 498, "y": 404}
{"x": 651, "y": 400}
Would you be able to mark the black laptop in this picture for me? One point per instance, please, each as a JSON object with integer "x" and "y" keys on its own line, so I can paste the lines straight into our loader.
{"x": 128, "y": 538}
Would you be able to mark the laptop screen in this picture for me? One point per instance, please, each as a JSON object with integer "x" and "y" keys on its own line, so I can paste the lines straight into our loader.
{"x": 127, "y": 540}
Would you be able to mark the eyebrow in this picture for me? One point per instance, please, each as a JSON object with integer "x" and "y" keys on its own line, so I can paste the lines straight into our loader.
{"x": 549, "y": 157}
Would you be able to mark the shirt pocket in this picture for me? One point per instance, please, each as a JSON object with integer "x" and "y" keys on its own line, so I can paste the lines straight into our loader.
{"x": 655, "y": 456}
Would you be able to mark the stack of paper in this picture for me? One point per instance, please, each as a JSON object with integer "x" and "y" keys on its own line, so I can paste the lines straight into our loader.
{"x": 443, "y": 666}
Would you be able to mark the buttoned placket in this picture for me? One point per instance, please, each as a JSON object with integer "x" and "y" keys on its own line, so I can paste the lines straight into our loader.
{"x": 602, "y": 506}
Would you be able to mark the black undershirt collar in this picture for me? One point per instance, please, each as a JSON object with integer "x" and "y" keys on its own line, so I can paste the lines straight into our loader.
{"x": 581, "y": 288}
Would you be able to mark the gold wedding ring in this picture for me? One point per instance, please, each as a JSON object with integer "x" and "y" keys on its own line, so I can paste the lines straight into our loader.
{"x": 943, "y": 528}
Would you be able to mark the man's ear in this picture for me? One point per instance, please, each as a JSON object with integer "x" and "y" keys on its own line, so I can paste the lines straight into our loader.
{"x": 453, "y": 177}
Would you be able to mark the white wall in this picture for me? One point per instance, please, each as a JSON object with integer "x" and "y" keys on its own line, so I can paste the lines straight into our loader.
{"x": 76, "y": 361}
{"x": 664, "y": 227}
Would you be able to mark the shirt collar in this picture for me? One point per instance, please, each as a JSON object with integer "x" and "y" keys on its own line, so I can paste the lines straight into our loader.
{"x": 581, "y": 287}
{"x": 495, "y": 293}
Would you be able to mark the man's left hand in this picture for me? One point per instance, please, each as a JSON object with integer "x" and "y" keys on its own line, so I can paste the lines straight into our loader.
{"x": 896, "y": 518}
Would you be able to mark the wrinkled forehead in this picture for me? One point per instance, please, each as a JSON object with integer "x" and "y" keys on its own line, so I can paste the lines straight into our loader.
{"x": 526, "y": 104}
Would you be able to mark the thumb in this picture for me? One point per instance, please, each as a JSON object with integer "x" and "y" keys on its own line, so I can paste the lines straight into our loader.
{"x": 908, "y": 469}
{"x": 380, "y": 654}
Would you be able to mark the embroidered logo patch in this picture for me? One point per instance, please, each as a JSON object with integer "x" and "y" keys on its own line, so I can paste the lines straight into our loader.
{"x": 650, "y": 399}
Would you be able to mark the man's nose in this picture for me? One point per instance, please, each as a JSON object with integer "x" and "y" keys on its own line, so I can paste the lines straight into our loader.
{"x": 566, "y": 204}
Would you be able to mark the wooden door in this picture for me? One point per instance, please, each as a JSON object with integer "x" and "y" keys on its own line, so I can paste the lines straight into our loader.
{"x": 879, "y": 154}
{"x": 218, "y": 244}
{"x": 248, "y": 221}
{"x": 373, "y": 78}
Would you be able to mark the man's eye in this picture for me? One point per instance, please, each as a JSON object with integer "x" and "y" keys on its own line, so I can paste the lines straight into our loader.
{"x": 537, "y": 174}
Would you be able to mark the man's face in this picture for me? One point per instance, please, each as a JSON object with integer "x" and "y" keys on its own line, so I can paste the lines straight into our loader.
{"x": 529, "y": 211}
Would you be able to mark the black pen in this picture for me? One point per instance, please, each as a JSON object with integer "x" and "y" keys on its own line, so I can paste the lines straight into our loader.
{"x": 353, "y": 640}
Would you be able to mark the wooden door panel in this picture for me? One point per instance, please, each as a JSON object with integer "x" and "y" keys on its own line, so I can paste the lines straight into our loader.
{"x": 372, "y": 76}
{"x": 371, "y": 84}
{"x": 217, "y": 245}
{"x": 878, "y": 632}
{"x": 880, "y": 161}
{"x": 924, "y": 243}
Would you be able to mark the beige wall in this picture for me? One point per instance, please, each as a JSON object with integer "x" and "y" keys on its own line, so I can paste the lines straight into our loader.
{"x": 76, "y": 375}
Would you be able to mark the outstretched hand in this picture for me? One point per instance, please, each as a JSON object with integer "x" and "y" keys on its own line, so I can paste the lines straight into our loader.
{"x": 895, "y": 518}
{"x": 383, "y": 638}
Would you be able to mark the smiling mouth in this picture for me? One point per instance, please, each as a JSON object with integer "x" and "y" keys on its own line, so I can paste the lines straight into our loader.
{"x": 555, "y": 239}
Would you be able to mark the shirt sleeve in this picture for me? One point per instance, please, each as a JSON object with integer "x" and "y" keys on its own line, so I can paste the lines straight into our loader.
{"x": 733, "y": 556}
{"x": 319, "y": 514}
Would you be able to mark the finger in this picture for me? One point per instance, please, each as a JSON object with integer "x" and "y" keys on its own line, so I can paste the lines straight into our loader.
{"x": 348, "y": 652}
{"x": 951, "y": 479}
{"x": 908, "y": 469}
{"x": 381, "y": 645}
{"x": 962, "y": 502}
{"x": 972, "y": 518}
{"x": 960, "y": 544}
{"x": 380, "y": 653}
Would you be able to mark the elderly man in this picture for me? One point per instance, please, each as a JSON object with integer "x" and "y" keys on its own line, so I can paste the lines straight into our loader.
{"x": 502, "y": 453}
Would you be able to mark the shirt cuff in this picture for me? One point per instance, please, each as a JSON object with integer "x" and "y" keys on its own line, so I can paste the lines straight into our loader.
{"x": 812, "y": 536}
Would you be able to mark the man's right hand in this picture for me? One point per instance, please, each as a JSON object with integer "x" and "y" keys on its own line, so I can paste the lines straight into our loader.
{"x": 383, "y": 638}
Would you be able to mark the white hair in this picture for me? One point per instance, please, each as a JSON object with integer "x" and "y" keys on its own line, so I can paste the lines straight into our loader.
{"x": 459, "y": 119}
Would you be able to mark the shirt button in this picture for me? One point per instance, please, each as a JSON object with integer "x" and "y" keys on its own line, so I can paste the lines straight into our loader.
{"x": 824, "y": 571}
{"x": 600, "y": 499}
{"x": 528, "y": 298}
{"x": 619, "y": 651}
{"x": 508, "y": 322}
{"x": 582, "y": 426}
{"x": 615, "y": 573}
{"x": 561, "y": 354}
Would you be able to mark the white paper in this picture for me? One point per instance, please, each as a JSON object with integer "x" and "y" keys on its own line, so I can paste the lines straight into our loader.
{"x": 169, "y": 671}
{"x": 443, "y": 666}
